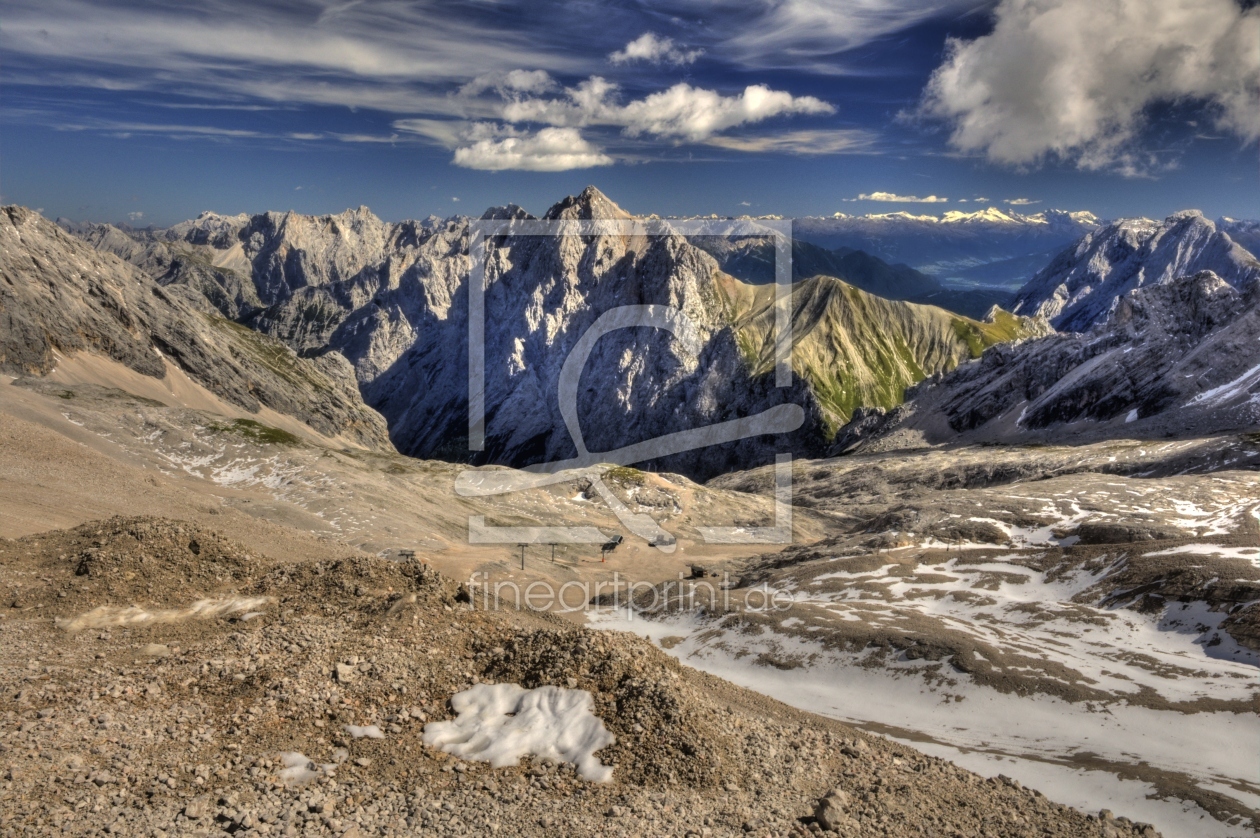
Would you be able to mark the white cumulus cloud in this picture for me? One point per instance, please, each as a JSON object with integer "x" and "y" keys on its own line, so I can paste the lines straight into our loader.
{"x": 694, "y": 113}
{"x": 681, "y": 112}
{"x": 135, "y": 216}
{"x": 1075, "y": 79}
{"x": 654, "y": 49}
{"x": 894, "y": 198}
{"x": 548, "y": 150}
{"x": 1021, "y": 202}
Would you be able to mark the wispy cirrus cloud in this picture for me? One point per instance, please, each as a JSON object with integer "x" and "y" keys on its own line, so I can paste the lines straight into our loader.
{"x": 173, "y": 130}
{"x": 814, "y": 34}
{"x": 386, "y": 41}
{"x": 805, "y": 142}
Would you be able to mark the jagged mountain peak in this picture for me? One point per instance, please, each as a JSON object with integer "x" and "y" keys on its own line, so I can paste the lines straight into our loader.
{"x": 357, "y": 218}
{"x": 589, "y": 204}
{"x": 1186, "y": 215}
{"x": 1081, "y": 217}
{"x": 509, "y": 212}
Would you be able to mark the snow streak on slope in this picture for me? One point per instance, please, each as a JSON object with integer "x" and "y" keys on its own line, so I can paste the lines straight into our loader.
{"x": 1102, "y": 673}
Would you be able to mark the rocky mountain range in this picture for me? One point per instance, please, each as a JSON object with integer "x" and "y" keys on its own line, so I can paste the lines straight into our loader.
{"x": 1173, "y": 360}
{"x": 392, "y": 299}
{"x": 1082, "y": 285}
{"x": 59, "y": 296}
{"x": 989, "y": 247}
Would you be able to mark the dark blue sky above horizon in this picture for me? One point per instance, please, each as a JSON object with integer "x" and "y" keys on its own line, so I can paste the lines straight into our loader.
{"x": 152, "y": 112}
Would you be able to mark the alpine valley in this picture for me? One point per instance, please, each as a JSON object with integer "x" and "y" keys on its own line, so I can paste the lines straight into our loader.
{"x": 1023, "y": 523}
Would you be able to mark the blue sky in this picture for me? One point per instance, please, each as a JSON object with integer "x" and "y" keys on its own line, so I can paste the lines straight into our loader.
{"x": 152, "y": 112}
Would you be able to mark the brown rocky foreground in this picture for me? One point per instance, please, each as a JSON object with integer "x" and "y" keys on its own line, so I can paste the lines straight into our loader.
{"x": 155, "y": 672}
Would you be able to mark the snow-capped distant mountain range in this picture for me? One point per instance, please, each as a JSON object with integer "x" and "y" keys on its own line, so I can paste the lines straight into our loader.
{"x": 989, "y": 215}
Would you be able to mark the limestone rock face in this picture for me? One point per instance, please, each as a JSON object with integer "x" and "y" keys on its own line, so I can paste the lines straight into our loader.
{"x": 59, "y": 294}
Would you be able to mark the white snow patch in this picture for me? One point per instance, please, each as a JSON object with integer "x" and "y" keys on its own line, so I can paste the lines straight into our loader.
{"x": 368, "y": 731}
{"x": 1034, "y": 739}
{"x": 500, "y": 723}
{"x": 1251, "y": 553}
{"x": 298, "y": 770}
{"x": 1240, "y": 386}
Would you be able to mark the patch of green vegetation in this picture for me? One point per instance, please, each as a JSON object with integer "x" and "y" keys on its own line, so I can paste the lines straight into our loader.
{"x": 66, "y": 394}
{"x": 747, "y": 348}
{"x": 269, "y": 353}
{"x": 1251, "y": 439}
{"x": 626, "y": 475}
{"x": 257, "y": 432}
{"x": 979, "y": 336}
{"x": 969, "y": 333}
{"x": 1005, "y": 327}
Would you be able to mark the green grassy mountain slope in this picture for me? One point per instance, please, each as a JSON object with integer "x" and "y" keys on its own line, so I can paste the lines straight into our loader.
{"x": 856, "y": 349}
